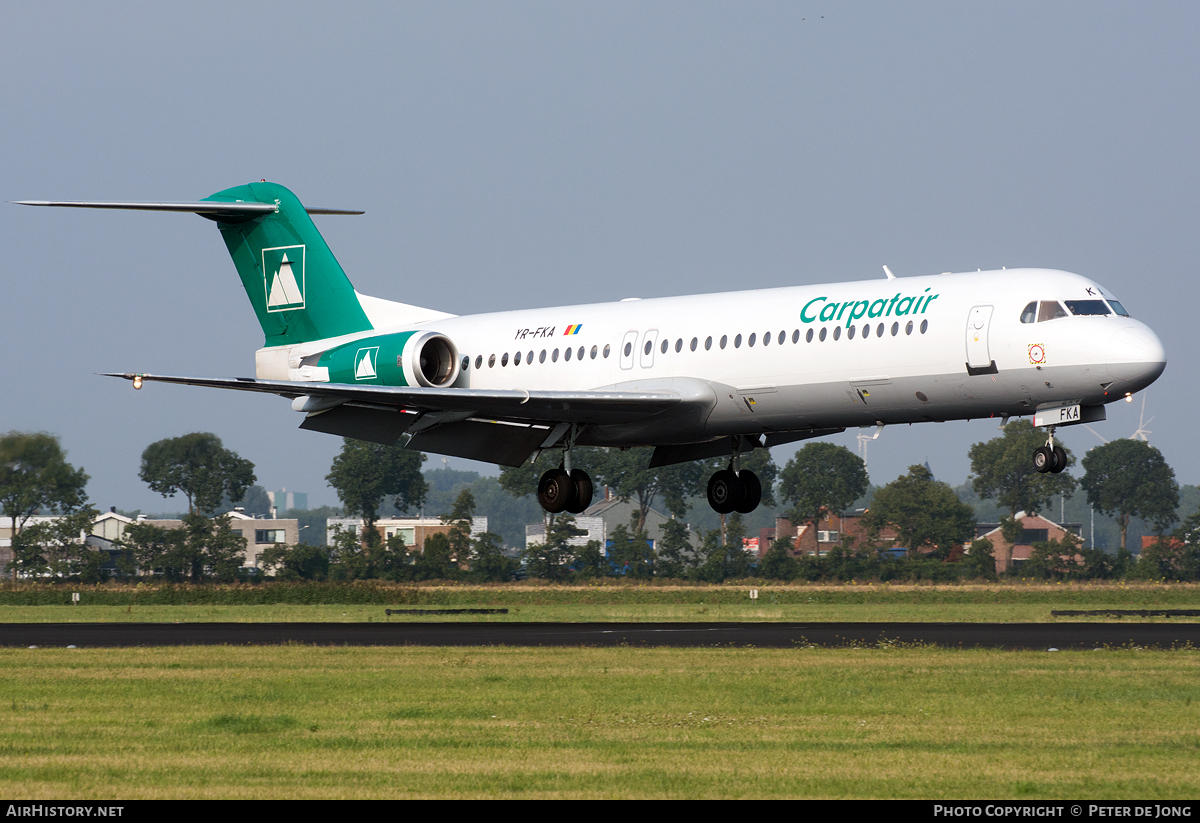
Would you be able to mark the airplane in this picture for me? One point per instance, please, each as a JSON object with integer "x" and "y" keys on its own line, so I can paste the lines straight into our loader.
{"x": 695, "y": 377}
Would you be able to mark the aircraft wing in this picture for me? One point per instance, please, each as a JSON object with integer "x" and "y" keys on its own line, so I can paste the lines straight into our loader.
{"x": 494, "y": 425}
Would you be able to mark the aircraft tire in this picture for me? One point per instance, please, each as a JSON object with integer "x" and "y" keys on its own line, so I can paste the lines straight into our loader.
{"x": 556, "y": 492}
{"x": 1060, "y": 459}
{"x": 725, "y": 491}
{"x": 1043, "y": 459}
{"x": 753, "y": 495}
{"x": 583, "y": 491}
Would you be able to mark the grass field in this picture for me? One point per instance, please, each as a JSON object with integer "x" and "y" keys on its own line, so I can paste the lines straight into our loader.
{"x": 882, "y": 722}
{"x": 838, "y": 613}
{"x": 1030, "y": 603}
{"x": 302, "y": 722}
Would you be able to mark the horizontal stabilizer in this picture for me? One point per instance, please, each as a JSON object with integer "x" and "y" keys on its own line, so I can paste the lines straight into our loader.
{"x": 212, "y": 209}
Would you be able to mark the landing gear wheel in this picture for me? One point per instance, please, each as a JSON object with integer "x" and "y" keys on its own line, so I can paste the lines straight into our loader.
{"x": 583, "y": 491}
{"x": 753, "y": 495}
{"x": 1043, "y": 459}
{"x": 725, "y": 491}
{"x": 556, "y": 491}
{"x": 1060, "y": 459}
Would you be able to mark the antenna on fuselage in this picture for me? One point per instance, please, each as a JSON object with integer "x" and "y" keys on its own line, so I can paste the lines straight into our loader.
{"x": 889, "y": 274}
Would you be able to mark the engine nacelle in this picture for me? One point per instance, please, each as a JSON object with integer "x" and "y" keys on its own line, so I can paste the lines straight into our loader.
{"x": 430, "y": 359}
{"x": 410, "y": 358}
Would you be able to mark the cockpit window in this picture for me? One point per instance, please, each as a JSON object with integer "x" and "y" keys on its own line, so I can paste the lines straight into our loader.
{"x": 1029, "y": 313}
{"x": 1088, "y": 307}
{"x": 1050, "y": 310}
{"x": 1118, "y": 308}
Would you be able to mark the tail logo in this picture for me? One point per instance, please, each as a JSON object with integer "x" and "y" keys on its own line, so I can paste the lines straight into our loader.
{"x": 283, "y": 277}
{"x": 364, "y": 363}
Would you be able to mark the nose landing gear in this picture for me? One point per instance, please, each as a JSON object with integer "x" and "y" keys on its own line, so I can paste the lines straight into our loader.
{"x": 1050, "y": 457}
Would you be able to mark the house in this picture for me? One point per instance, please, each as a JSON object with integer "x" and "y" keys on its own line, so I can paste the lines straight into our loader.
{"x": 109, "y": 528}
{"x": 1034, "y": 529}
{"x": 831, "y": 531}
{"x": 412, "y": 530}
{"x": 599, "y": 520}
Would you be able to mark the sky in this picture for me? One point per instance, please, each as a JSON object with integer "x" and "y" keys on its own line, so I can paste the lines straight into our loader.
{"x": 525, "y": 154}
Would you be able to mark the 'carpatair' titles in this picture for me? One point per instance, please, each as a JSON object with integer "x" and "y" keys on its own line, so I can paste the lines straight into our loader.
{"x": 820, "y": 309}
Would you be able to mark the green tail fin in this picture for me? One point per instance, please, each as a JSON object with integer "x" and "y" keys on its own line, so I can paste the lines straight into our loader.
{"x": 296, "y": 285}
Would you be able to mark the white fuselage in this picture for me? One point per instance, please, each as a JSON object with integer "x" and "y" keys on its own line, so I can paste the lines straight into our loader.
{"x": 933, "y": 348}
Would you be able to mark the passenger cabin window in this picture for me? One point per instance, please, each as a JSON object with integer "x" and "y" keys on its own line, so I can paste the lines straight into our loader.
{"x": 1029, "y": 313}
{"x": 1088, "y": 307}
{"x": 1050, "y": 310}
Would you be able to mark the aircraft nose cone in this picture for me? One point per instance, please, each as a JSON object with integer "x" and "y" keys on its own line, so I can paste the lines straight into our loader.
{"x": 1136, "y": 355}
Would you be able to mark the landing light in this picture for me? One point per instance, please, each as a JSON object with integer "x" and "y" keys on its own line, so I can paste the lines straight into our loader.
{"x": 137, "y": 381}
{"x": 1128, "y": 397}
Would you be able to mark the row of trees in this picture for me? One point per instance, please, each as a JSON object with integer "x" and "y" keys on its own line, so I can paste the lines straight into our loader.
{"x": 1125, "y": 478}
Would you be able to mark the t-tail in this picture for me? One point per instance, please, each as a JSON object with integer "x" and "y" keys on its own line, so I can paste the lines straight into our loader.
{"x": 295, "y": 284}
{"x": 301, "y": 297}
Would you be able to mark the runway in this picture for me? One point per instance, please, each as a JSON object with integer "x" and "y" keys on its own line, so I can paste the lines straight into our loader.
{"x": 1043, "y": 636}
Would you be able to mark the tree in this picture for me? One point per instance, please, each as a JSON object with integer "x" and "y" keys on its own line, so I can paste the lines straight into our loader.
{"x": 626, "y": 474}
{"x": 632, "y": 553}
{"x": 436, "y": 561}
{"x": 1128, "y": 478}
{"x": 200, "y": 547}
{"x": 779, "y": 563}
{"x": 299, "y": 562}
{"x": 35, "y": 475}
{"x": 924, "y": 512}
{"x": 550, "y": 560}
{"x": 255, "y": 501}
{"x": 56, "y": 547}
{"x": 363, "y": 474}
{"x": 460, "y": 520}
{"x": 821, "y": 478}
{"x": 489, "y": 563}
{"x": 675, "y": 552}
{"x": 1004, "y": 471}
{"x": 1053, "y": 559}
{"x": 198, "y": 465}
{"x": 979, "y": 562}
{"x": 1176, "y": 557}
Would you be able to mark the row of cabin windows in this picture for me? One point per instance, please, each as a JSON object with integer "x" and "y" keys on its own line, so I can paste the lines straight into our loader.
{"x": 782, "y": 337}
{"x": 567, "y": 354}
{"x": 851, "y": 332}
{"x": 1040, "y": 312}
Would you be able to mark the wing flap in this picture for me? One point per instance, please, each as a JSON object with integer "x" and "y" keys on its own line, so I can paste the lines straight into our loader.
{"x": 374, "y": 425}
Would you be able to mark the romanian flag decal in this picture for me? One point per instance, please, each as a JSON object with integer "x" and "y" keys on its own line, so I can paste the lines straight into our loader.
{"x": 573, "y": 329}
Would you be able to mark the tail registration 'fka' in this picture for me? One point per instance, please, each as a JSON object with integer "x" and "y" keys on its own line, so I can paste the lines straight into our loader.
{"x": 696, "y": 377}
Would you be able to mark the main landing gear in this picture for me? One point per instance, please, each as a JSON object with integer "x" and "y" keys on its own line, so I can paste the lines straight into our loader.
{"x": 565, "y": 489}
{"x": 560, "y": 490}
{"x": 1050, "y": 457}
{"x": 734, "y": 489}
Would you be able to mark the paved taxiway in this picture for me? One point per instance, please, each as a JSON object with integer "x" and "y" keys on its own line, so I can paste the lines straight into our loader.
{"x": 762, "y": 635}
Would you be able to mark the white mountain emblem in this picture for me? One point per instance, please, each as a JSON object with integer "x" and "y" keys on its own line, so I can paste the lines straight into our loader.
{"x": 283, "y": 271}
{"x": 284, "y": 288}
{"x": 364, "y": 363}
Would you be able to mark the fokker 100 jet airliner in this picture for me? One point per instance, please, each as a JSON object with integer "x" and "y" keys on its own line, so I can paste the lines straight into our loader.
{"x": 695, "y": 377}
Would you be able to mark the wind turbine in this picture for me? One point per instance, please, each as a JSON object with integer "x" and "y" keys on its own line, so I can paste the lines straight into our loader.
{"x": 1140, "y": 433}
